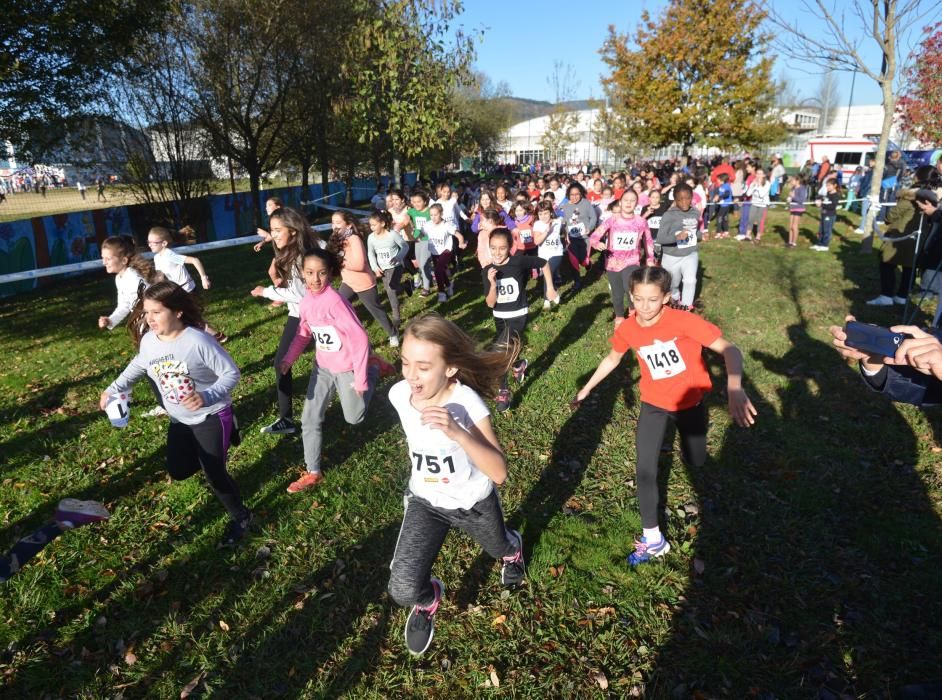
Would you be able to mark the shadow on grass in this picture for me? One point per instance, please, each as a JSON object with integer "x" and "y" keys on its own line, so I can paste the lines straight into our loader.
{"x": 819, "y": 549}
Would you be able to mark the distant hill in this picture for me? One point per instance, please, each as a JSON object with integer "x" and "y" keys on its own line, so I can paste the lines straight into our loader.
{"x": 523, "y": 109}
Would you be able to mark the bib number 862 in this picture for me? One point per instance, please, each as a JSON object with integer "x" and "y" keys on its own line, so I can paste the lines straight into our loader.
{"x": 432, "y": 464}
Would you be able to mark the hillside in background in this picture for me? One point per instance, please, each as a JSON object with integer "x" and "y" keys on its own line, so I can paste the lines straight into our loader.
{"x": 523, "y": 109}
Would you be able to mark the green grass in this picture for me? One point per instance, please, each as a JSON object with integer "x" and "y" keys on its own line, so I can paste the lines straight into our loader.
{"x": 807, "y": 551}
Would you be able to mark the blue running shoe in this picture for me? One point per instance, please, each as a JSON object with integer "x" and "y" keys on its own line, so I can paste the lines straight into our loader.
{"x": 644, "y": 552}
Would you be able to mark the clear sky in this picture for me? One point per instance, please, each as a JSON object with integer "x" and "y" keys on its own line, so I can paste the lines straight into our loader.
{"x": 522, "y": 40}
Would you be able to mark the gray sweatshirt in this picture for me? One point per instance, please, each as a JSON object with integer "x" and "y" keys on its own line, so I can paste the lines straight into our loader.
{"x": 193, "y": 360}
{"x": 386, "y": 251}
{"x": 580, "y": 219}
{"x": 673, "y": 222}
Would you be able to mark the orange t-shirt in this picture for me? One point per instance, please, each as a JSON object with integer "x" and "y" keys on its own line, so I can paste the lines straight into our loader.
{"x": 673, "y": 374}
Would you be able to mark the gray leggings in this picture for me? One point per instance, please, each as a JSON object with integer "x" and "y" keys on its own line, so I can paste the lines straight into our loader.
{"x": 391, "y": 283}
{"x": 320, "y": 390}
{"x": 683, "y": 269}
{"x": 618, "y": 281}
{"x": 370, "y": 299}
{"x": 424, "y": 258}
{"x": 423, "y": 532}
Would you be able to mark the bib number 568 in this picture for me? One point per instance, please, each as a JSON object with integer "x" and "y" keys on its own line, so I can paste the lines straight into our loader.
{"x": 432, "y": 463}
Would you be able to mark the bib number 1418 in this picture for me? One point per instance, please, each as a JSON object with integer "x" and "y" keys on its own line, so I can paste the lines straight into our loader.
{"x": 433, "y": 464}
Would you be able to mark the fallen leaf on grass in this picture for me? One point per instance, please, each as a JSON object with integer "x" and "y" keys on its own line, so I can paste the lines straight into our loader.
{"x": 129, "y": 658}
{"x": 191, "y": 686}
{"x": 600, "y": 678}
{"x": 495, "y": 681}
{"x": 499, "y": 620}
{"x": 223, "y": 626}
{"x": 557, "y": 571}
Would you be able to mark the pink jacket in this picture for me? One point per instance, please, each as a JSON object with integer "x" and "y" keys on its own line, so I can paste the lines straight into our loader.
{"x": 624, "y": 238}
{"x": 342, "y": 343}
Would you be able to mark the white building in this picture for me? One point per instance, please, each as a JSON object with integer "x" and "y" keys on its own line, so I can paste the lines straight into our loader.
{"x": 522, "y": 142}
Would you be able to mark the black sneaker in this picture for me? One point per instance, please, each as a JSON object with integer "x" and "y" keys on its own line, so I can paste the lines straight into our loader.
{"x": 514, "y": 569}
{"x": 408, "y": 287}
{"x": 282, "y": 426}
{"x": 236, "y": 531}
{"x": 504, "y": 399}
{"x": 420, "y": 625}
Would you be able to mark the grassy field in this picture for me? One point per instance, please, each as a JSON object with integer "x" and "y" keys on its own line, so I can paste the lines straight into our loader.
{"x": 807, "y": 552}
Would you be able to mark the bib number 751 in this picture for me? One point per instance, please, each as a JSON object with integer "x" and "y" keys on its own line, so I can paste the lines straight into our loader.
{"x": 432, "y": 463}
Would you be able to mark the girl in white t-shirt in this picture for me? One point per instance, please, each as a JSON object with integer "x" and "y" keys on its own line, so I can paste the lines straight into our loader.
{"x": 455, "y": 462}
{"x": 550, "y": 239}
{"x": 172, "y": 267}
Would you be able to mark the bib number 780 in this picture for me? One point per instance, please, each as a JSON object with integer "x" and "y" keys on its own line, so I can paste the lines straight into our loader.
{"x": 432, "y": 464}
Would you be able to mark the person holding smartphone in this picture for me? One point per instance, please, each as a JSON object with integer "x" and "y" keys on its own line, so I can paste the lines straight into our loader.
{"x": 913, "y": 375}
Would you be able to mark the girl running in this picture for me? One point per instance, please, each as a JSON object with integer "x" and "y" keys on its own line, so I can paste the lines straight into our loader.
{"x": 549, "y": 238}
{"x": 674, "y": 378}
{"x": 347, "y": 244}
{"x": 343, "y": 364}
{"x": 271, "y": 204}
{"x": 797, "y": 198}
{"x": 196, "y": 378}
{"x": 580, "y": 219}
{"x": 291, "y": 235}
{"x": 677, "y": 236}
{"x": 172, "y": 266}
{"x": 441, "y": 235}
{"x": 419, "y": 214}
{"x": 491, "y": 220}
{"x": 131, "y": 274}
{"x": 456, "y": 461}
{"x": 623, "y": 237}
{"x": 759, "y": 197}
{"x": 523, "y": 227}
{"x": 387, "y": 252}
{"x": 505, "y": 292}
{"x": 487, "y": 201}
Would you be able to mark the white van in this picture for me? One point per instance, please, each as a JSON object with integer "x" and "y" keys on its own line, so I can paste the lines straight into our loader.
{"x": 843, "y": 152}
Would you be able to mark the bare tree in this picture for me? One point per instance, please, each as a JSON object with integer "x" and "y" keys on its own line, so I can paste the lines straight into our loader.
{"x": 828, "y": 96}
{"x": 559, "y": 133}
{"x": 846, "y": 26}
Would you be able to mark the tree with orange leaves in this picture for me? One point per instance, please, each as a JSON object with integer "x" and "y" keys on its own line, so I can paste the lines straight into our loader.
{"x": 698, "y": 74}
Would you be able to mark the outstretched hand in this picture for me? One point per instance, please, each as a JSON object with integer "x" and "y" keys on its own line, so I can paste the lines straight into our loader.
{"x": 741, "y": 408}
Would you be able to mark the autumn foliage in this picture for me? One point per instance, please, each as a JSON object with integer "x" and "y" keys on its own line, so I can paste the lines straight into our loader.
{"x": 921, "y": 106}
{"x": 698, "y": 73}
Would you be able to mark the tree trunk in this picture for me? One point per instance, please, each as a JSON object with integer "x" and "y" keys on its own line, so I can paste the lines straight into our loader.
{"x": 305, "y": 164}
{"x": 255, "y": 178}
{"x": 348, "y": 185}
{"x": 395, "y": 175}
{"x": 889, "y": 109}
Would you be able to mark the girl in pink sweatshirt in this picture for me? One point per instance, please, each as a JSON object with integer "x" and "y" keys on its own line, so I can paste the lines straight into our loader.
{"x": 343, "y": 364}
{"x": 347, "y": 244}
{"x": 623, "y": 237}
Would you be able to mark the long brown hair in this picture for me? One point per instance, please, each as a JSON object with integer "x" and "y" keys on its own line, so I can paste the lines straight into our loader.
{"x": 175, "y": 298}
{"x": 288, "y": 258}
{"x": 337, "y": 238}
{"x": 124, "y": 247}
{"x": 482, "y": 370}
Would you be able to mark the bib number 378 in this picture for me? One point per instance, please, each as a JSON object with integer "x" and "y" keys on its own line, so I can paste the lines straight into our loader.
{"x": 432, "y": 463}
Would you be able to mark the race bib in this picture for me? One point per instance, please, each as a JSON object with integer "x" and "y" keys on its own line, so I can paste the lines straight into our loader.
{"x": 384, "y": 256}
{"x": 691, "y": 239}
{"x": 327, "y": 338}
{"x": 507, "y": 290}
{"x": 446, "y": 466}
{"x": 663, "y": 359}
{"x": 654, "y": 222}
{"x": 526, "y": 235}
{"x": 576, "y": 230}
{"x": 624, "y": 242}
{"x": 552, "y": 246}
{"x": 440, "y": 241}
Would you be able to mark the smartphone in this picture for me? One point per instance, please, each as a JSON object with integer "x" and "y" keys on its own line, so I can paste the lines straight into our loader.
{"x": 873, "y": 339}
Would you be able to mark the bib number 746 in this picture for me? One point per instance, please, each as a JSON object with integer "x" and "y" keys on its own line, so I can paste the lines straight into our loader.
{"x": 433, "y": 464}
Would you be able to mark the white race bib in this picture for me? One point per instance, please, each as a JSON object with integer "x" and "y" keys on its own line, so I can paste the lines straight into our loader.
{"x": 440, "y": 241}
{"x": 507, "y": 290}
{"x": 327, "y": 338}
{"x": 663, "y": 359}
{"x": 384, "y": 256}
{"x": 442, "y": 467}
{"x": 654, "y": 222}
{"x": 576, "y": 230}
{"x": 526, "y": 235}
{"x": 690, "y": 241}
{"x": 624, "y": 242}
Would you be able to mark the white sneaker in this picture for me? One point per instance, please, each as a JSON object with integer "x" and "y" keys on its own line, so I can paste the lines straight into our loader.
{"x": 442, "y": 297}
{"x": 820, "y": 248}
{"x": 858, "y": 230}
{"x": 740, "y": 237}
{"x": 451, "y": 289}
{"x": 546, "y": 304}
{"x": 394, "y": 341}
{"x": 900, "y": 300}
{"x": 555, "y": 302}
{"x": 881, "y": 300}
{"x": 156, "y": 412}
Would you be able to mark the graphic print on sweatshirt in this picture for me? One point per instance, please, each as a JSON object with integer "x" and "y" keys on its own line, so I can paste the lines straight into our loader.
{"x": 173, "y": 379}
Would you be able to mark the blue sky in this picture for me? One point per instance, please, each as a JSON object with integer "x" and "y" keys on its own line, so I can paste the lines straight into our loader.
{"x": 522, "y": 39}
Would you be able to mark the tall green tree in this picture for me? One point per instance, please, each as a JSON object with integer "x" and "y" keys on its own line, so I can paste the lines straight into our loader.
{"x": 697, "y": 73}
{"x": 55, "y": 57}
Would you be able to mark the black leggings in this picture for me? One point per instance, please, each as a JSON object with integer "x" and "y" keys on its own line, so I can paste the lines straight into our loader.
{"x": 652, "y": 425}
{"x": 888, "y": 286}
{"x": 618, "y": 281}
{"x": 283, "y": 381}
{"x": 722, "y": 218}
{"x": 370, "y": 299}
{"x": 206, "y": 445}
{"x": 27, "y": 548}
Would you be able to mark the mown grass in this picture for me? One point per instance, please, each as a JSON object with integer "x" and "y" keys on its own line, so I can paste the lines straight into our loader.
{"x": 807, "y": 552}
